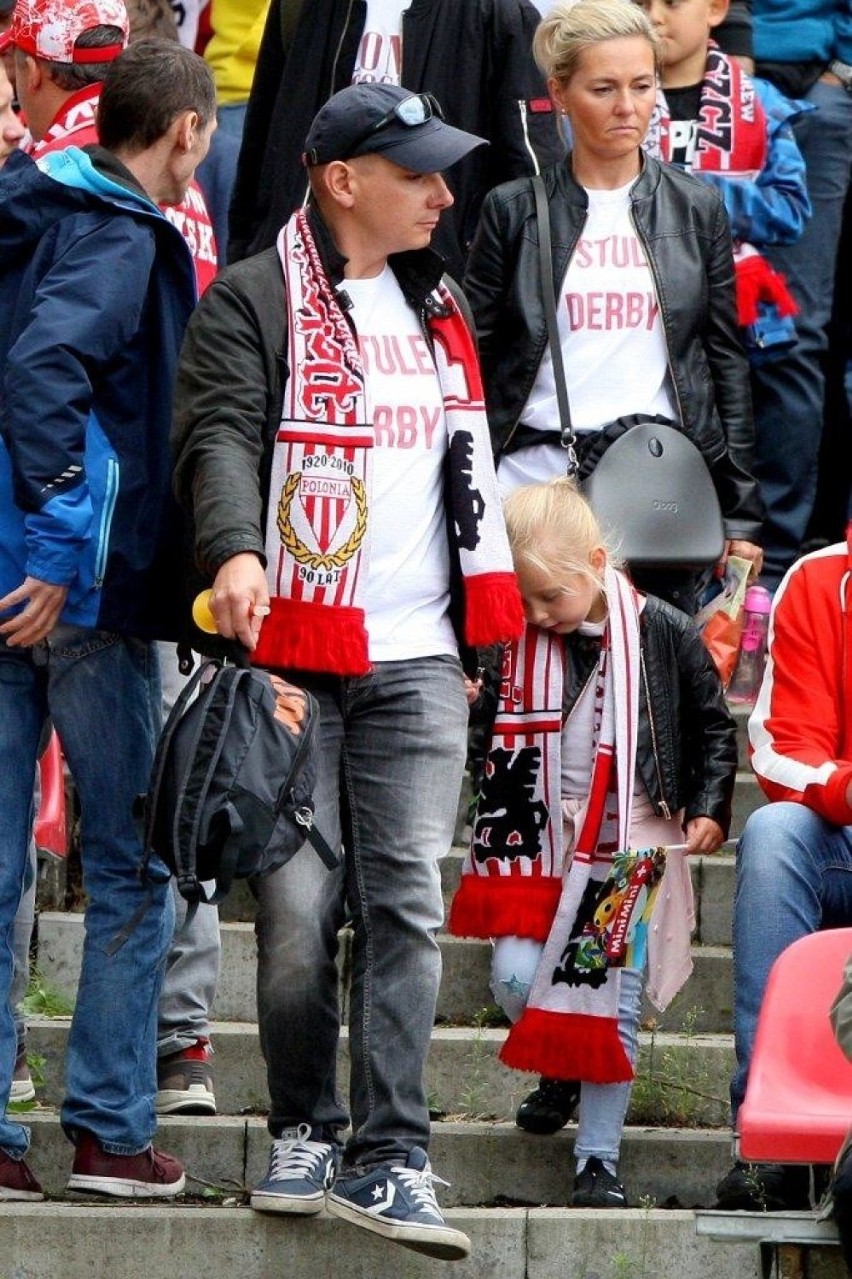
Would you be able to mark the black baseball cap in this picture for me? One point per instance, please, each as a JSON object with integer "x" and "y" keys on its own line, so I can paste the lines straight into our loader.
{"x": 385, "y": 119}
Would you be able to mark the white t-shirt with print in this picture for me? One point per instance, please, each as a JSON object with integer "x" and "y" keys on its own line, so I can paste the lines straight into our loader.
{"x": 407, "y": 592}
{"x": 613, "y": 342}
{"x": 379, "y": 56}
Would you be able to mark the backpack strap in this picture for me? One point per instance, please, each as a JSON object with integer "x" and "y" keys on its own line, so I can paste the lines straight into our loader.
{"x": 189, "y": 807}
{"x": 161, "y": 755}
{"x": 318, "y": 842}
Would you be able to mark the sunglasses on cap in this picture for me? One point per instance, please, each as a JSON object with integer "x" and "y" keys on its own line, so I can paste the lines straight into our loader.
{"x": 411, "y": 112}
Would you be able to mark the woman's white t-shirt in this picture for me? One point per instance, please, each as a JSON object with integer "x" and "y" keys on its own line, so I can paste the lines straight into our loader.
{"x": 612, "y": 337}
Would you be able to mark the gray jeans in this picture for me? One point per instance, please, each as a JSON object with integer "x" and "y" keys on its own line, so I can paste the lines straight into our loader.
{"x": 392, "y": 751}
{"x": 21, "y": 938}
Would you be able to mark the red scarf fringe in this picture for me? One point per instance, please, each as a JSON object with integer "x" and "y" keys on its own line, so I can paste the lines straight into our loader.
{"x": 493, "y": 608}
{"x": 567, "y": 1046}
{"x": 313, "y": 637}
{"x": 508, "y": 906}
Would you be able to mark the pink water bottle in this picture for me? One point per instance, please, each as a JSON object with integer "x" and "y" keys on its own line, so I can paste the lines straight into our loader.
{"x": 745, "y": 684}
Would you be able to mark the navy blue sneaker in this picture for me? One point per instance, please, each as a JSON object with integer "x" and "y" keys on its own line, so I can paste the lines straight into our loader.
{"x": 301, "y": 1170}
{"x": 398, "y": 1201}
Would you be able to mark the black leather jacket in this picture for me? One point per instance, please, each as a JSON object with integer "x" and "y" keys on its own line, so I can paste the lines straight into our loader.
{"x": 687, "y": 748}
{"x": 683, "y": 228}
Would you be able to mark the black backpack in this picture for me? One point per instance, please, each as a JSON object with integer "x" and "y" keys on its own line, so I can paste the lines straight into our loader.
{"x": 232, "y": 784}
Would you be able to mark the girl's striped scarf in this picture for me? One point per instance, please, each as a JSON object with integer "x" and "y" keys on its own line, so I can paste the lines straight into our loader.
{"x": 514, "y": 881}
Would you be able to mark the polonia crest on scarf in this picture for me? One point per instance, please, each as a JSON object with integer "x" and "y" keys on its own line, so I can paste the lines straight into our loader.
{"x": 320, "y": 501}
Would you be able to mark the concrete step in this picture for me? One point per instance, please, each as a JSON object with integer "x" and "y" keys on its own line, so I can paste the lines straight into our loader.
{"x": 704, "y": 1004}
{"x": 67, "y": 1241}
{"x": 682, "y": 1079}
{"x": 486, "y": 1164}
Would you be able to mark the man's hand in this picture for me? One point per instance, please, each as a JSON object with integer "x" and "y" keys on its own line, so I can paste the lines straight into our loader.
{"x": 239, "y": 600}
{"x": 43, "y": 603}
{"x": 703, "y": 835}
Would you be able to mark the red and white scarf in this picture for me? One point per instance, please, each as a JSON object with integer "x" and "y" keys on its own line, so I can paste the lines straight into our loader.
{"x": 732, "y": 126}
{"x": 732, "y": 141}
{"x": 514, "y": 881}
{"x": 319, "y": 521}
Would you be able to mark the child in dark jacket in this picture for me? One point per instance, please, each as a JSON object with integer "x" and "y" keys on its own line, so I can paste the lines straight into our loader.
{"x": 611, "y": 735}
{"x": 734, "y": 132}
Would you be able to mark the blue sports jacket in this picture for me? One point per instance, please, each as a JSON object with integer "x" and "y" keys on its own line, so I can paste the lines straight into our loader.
{"x": 96, "y": 288}
{"x": 802, "y": 30}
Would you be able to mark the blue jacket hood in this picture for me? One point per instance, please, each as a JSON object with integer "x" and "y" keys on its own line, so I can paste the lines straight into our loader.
{"x": 35, "y": 194}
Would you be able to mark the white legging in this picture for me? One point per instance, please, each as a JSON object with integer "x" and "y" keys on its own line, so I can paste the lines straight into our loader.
{"x": 603, "y": 1107}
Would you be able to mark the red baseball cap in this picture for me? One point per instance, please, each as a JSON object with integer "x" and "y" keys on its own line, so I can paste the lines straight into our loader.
{"x": 50, "y": 29}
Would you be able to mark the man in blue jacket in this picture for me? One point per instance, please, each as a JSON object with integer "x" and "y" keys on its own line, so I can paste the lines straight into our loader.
{"x": 95, "y": 291}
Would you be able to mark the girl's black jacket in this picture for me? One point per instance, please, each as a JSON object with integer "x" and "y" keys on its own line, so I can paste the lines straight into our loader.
{"x": 687, "y": 747}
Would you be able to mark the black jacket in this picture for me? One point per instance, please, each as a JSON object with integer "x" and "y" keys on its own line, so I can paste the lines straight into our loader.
{"x": 474, "y": 55}
{"x": 687, "y": 748}
{"x": 683, "y": 228}
{"x": 229, "y": 392}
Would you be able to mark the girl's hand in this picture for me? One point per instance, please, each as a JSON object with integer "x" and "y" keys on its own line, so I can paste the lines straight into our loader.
{"x": 472, "y": 689}
{"x": 703, "y": 835}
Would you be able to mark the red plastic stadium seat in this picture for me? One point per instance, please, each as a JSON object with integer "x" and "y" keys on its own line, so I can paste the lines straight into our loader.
{"x": 798, "y": 1103}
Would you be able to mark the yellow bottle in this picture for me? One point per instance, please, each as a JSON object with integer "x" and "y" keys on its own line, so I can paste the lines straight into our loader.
{"x": 201, "y": 614}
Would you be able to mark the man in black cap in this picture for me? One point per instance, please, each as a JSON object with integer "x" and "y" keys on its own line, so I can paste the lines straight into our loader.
{"x": 332, "y": 453}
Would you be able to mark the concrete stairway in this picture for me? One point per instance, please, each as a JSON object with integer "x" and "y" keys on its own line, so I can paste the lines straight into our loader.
{"x": 508, "y": 1189}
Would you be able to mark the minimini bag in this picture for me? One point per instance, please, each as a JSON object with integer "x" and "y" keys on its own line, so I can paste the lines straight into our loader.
{"x": 648, "y": 484}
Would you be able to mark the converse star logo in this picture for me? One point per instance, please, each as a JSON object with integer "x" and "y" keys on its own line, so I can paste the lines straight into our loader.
{"x": 383, "y": 1196}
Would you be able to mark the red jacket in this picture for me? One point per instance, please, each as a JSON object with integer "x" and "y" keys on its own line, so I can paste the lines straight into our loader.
{"x": 801, "y": 728}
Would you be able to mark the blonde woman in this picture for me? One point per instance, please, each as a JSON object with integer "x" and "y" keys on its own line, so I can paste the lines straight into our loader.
{"x": 643, "y": 274}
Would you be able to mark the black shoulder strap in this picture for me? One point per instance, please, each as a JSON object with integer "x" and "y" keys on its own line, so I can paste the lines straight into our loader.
{"x": 545, "y": 257}
{"x": 189, "y": 804}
